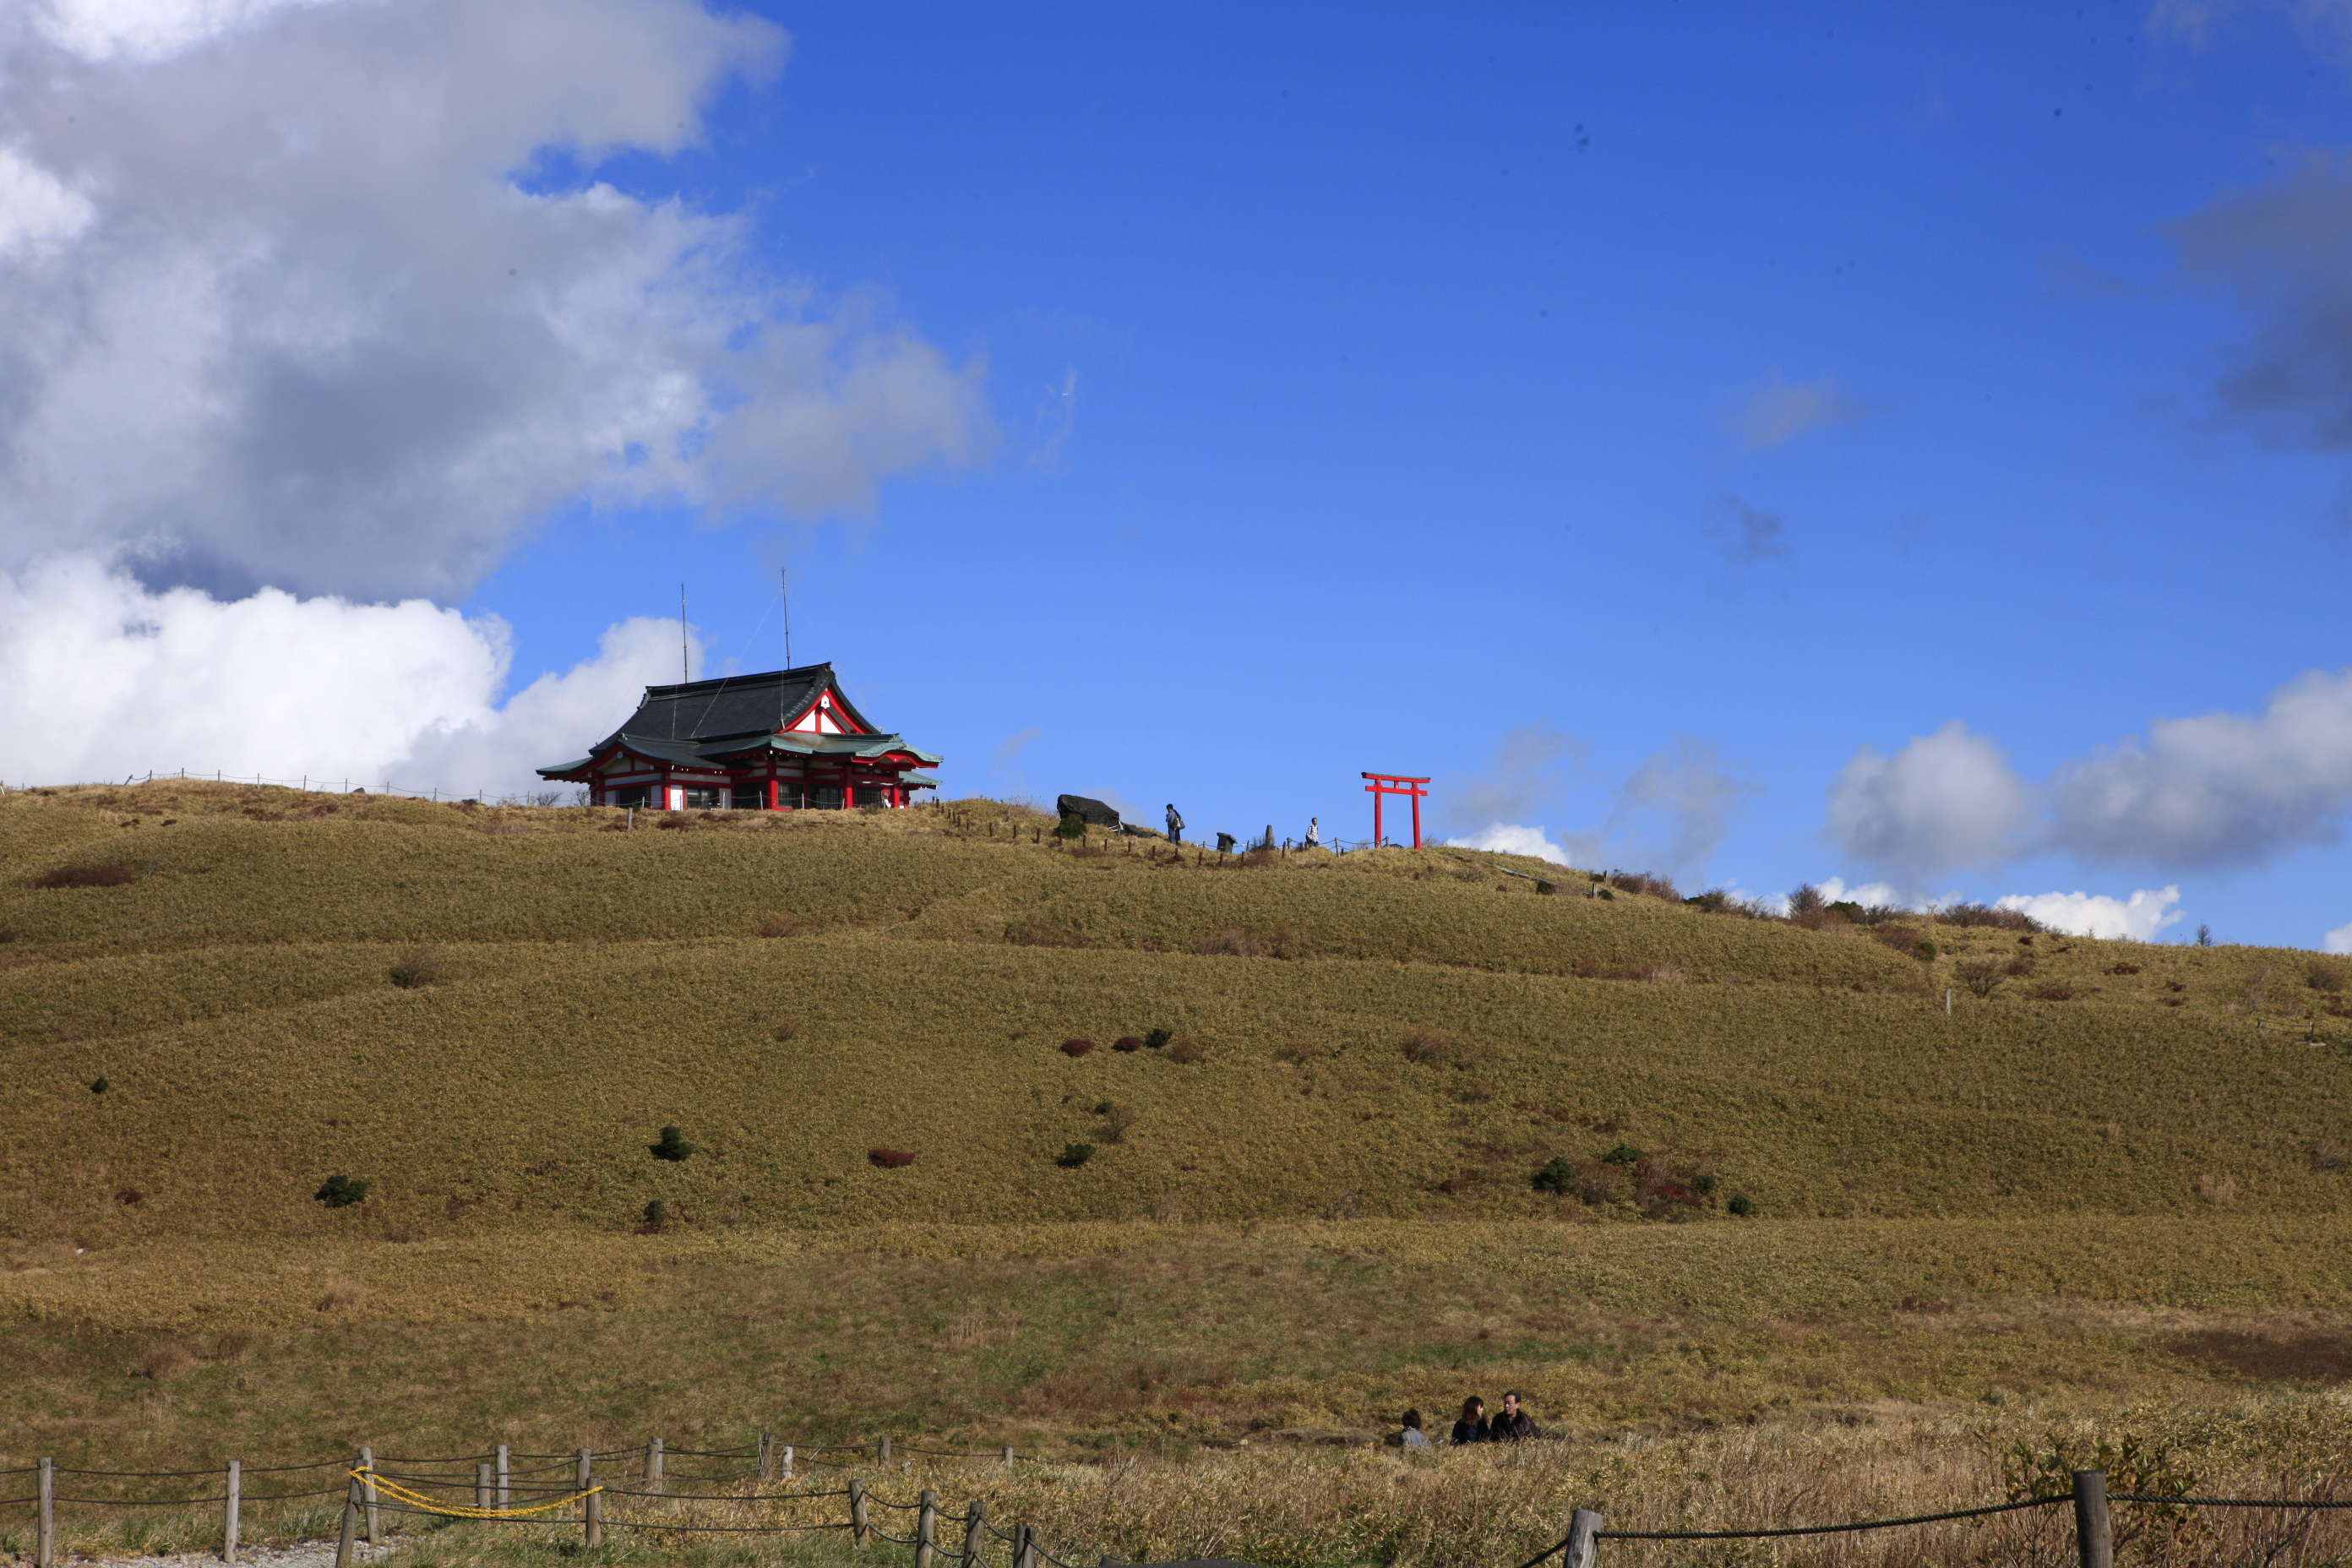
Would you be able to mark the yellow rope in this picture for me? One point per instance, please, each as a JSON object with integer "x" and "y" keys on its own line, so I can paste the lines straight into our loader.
{"x": 454, "y": 1511}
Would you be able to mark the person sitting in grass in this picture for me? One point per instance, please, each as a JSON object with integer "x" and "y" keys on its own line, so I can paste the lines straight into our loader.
{"x": 1472, "y": 1428}
{"x": 1512, "y": 1425}
{"x": 1413, "y": 1437}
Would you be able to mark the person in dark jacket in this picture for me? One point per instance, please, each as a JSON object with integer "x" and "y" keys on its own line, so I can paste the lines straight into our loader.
{"x": 1512, "y": 1426}
{"x": 1472, "y": 1428}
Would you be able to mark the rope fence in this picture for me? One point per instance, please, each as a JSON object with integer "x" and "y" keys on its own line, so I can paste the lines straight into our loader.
{"x": 501, "y": 1495}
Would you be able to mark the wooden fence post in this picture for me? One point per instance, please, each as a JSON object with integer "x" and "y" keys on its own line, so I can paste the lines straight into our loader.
{"x": 927, "y": 1530}
{"x": 882, "y": 1449}
{"x": 1582, "y": 1525}
{"x": 228, "y": 1514}
{"x": 788, "y": 1461}
{"x": 591, "y": 1518}
{"x": 344, "y": 1541}
{"x": 2094, "y": 1545}
{"x": 482, "y": 1484}
{"x": 860, "y": 1532}
{"x": 1008, "y": 1456}
{"x": 1025, "y": 1546}
{"x": 367, "y": 1492}
{"x": 975, "y": 1534}
{"x": 767, "y": 1455}
{"x": 654, "y": 1465}
{"x": 503, "y": 1490}
{"x": 45, "y": 1530}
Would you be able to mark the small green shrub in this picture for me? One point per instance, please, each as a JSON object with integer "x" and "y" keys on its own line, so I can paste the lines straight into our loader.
{"x": 1558, "y": 1175}
{"x": 337, "y": 1192}
{"x": 1624, "y": 1154}
{"x": 1741, "y": 1205}
{"x": 673, "y": 1145}
{"x": 1926, "y": 950}
{"x": 1073, "y": 1155}
{"x": 1071, "y": 827}
{"x": 1158, "y": 1038}
{"x": 656, "y": 1215}
{"x": 99, "y": 1086}
{"x": 415, "y": 967}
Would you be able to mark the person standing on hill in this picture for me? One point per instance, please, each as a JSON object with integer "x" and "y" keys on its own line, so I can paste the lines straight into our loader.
{"x": 1314, "y": 834}
{"x": 1512, "y": 1426}
{"x": 1472, "y": 1428}
{"x": 1175, "y": 826}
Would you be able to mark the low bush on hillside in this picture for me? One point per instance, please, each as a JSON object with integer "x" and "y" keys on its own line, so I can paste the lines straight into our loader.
{"x": 788, "y": 1031}
{"x": 673, "y": 1145}
{"x": 2327, "y": 1154}
{"x": 2330, "y": 974}
{"x": 1986, "y": 915}
{"x": 890, "y": 1159}
{"x": 1185, "y": 1050}
{"x": 1157, "y": 1039}
{"x": 1128, "y": 1043}
{"x": 1073, "y": 1155}
{"x": 1645, "y": 882}
{"x": 1077, "y": 1048}
{"x": 1425, "y": 1045}
{"x": 656, "y": 1216}
{"x": 1117, "y": 1119}
{"x": 674, "y": 822}
{"x": 106, "y": 875}
{"x": 340, "y": 1192}
{"x": 1558, "y": 1175}
{"x": 780, "y": 925}
{"x": 418, "y": 966}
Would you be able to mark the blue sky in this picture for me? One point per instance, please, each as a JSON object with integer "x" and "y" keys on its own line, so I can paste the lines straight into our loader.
{"x": 1625, "y": 416}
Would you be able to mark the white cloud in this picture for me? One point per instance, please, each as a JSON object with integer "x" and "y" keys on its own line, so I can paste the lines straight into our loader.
{"x": 2137, "y": 918}
{"x": 1532, "y": 768}
{"x": 294, "y": 257}
{"x": 108, "y": 679}
{"x": 1508, "y": 839}
{"x": 1945, "y": 800}
{"x": 37, "y": 214}
{"x": 2217, "y": 790}
{"x": 1688, "y": 795}
{"x": 1867, "y": 894}
{"x": 2340, "y": 940}
{"x": 147, "y": 29}
{"x": 1775, "y": 410}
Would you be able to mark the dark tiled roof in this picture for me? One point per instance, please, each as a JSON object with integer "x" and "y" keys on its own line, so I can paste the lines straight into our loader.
{"x": 732, "y": 705}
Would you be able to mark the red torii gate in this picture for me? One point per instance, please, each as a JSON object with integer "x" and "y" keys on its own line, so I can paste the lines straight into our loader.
{"x": 1395, "y": 783}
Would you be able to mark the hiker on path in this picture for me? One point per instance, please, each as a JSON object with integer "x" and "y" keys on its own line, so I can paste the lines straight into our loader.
{"x": 1413, "y": 1437}
{"x": 1512, "y": 1426}
{"x": 1175, "y": 826}
{"x": 1314, "y": 832}
{"x": 1472, "y": 1428}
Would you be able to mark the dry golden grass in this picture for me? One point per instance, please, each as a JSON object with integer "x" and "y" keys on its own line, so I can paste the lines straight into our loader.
{"x": 1311, "y": 1203}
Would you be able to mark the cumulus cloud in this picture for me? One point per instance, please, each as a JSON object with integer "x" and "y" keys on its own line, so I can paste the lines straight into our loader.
{"x": 1509, "y": 839}
{"x": 2340, "y": 940}
{"x": 109, "y": 678}
{"x": 2223, "y": 789}
{"x": 2135, "y": 919}
{"x": 1835, "y": 890}
{"x": 1943, "y": 800}
{"x": 1776, "y": 411}
{"x": 289, "y": 294}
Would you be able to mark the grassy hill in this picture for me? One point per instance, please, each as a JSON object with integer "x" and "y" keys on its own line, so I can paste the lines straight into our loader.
{"x": 2119, "y": 1175}
{"x": 1428, "y": 1039}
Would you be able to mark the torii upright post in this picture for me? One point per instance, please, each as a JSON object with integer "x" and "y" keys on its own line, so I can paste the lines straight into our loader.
{"x": 1395, "y": 783}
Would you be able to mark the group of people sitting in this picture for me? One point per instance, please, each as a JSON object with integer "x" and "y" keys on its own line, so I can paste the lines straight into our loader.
{"x": 1509, "y": 1424}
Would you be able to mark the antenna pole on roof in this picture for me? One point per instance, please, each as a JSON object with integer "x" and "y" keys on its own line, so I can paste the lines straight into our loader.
{"x": 685, "y": 669}
{"x": 784, "y": 592}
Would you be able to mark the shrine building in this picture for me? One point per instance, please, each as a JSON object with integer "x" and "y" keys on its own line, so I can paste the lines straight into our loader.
{"x": 779, "y": 742}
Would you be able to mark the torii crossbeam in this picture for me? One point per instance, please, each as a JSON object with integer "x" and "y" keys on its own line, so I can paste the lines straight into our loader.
{"x": 1385, "y": 784}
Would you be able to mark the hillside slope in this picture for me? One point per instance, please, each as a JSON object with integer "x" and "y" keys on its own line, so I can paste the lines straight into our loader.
{"x": 1416, "y": 1036}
